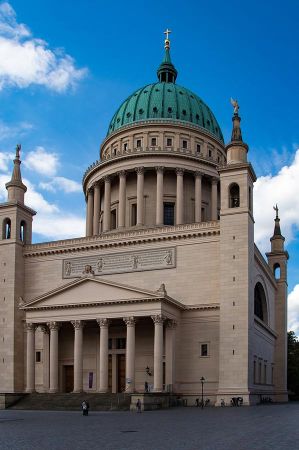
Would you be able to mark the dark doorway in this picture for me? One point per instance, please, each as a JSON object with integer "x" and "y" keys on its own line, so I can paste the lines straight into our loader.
{"x": 68, "y": 378}
{"x": 110, "y": 373}
{"x": 121, "y": 373}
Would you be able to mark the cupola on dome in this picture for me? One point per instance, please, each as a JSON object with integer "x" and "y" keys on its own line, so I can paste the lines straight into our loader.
{"x": 166, "y": 101}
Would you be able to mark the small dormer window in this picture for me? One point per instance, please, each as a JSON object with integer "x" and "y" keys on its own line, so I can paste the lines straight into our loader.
{"x": 184, "y": 112}
{"x": 141, "y": 111}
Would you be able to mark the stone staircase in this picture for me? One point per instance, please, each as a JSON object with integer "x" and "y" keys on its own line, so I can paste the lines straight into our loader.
{"x": 72, "y": 402}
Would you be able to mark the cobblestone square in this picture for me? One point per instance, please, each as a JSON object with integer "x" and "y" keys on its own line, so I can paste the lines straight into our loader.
{"x": 273, "y": 427}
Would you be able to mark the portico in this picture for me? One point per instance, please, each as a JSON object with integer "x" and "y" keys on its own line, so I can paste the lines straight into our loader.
{"x": 98, "y": 333}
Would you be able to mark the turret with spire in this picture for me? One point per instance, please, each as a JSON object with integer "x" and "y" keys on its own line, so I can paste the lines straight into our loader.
{"x": 15, "y": 187}
{"x": 236, "y": 148}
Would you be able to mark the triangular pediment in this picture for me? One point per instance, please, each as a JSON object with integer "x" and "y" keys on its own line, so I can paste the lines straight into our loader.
{"x": 90, "y": 291}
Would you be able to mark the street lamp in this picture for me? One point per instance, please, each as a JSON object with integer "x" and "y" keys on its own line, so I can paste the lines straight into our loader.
{"x": 202, "y": 380}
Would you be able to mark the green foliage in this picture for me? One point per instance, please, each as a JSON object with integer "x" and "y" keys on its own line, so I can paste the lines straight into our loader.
{"x": 293, "y": 363}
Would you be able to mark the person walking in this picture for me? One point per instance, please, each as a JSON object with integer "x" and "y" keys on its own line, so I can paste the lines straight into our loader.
{"x": 138, "y": 406}
{"x": 85, "y": 407}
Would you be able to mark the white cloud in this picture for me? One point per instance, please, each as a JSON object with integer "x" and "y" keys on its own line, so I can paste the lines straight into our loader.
{"x": 5, "y": 159}
{"x": 25, "y": 60}
{"x": 59, "y": 226}
{"x": 9, "y": 131}
{"x": 293, "y": 310}
{"x": 282, "y": 189}
{"x": 42, "y": 162}
{"x": 61, "y": 184}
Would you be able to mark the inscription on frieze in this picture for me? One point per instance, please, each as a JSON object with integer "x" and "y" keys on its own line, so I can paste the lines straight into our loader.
{"x": 162, "y": 258}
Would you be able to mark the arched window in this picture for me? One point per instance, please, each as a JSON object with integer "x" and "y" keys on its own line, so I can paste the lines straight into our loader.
{"x": 276, "y": 269}
{"x": 234, "y": 195}
{"x": 6, "y": 229}
{"x": 260, "y": 303}
{"x": 23, "y": 231}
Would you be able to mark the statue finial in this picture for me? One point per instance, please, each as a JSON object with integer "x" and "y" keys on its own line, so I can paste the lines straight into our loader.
{"x": 276, "y": 210}
{"x": 167, "y": 41}
{"x": 235, "y": 105}
{"x": 18, "y": 149}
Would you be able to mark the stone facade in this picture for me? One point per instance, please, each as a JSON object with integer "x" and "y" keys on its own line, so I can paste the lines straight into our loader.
{"x": 166, "y": 287}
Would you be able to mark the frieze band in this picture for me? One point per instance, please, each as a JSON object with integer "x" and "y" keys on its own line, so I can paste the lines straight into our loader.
{"x": 162, "y": 258}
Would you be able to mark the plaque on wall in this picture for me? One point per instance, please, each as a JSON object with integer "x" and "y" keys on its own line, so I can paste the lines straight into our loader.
{"x": 162, "y": 258}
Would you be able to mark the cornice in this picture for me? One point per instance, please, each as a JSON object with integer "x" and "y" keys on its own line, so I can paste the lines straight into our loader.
{"x": 261, "y": 261}
{"x": 265, "y": 327}
{"x": 167, "y": 300}
{"x": 182, "y": 153}
{"x": 124, "y": 238}
{"x": 20, "y": 205}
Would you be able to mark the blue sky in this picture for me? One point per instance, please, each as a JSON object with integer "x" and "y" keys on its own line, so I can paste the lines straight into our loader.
{"x": 66, "y": 66}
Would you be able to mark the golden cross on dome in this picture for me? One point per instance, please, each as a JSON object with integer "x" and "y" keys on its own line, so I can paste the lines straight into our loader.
{"x": 167, "y": 32}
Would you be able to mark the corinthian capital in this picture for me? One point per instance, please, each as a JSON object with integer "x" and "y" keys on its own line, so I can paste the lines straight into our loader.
{"x": 54, "y": 326}
{"x": 130, "y": 321}
{"x": 77, "y": 324}
{"x": 159, "y": 318}
{"x": 159, "y": 169}
{"x": 139, "y": 170}
{"x": 122, "y": 174}
{"x": 107, "y": 179}
{"x": 30, "y": 326}
{"x": 103, "y": 322}
{"x": 171, "y": 323}
{"x": 179, "y": 171}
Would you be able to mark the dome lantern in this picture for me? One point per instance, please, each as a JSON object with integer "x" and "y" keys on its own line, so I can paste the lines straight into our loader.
{"x": 167, "y": 73}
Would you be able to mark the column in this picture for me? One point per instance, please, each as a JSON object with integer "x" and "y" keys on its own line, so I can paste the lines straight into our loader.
{"x": 96, "y": 209}
{"x": 54, "y": 329}
{"x": 214, "y": 203}
{"x": 104, "y": 331}
{"x": 89, "y": 213}
{"x": 46, "y": 354}
{"x": 107, "y": 204}
{"x": 170, "y": 354}
{"x": 158, "y": 353}
{"x": 130, "y": 354}
{"x": 30, "y": 387}
{"x": 198, "y": 199}
{"x": 140, "y": 195}
{"x": 159, "y": 196}
{"x": 179, "y": 196}
{"x": 122, "y": 199}
{"x": 78, "y": 355}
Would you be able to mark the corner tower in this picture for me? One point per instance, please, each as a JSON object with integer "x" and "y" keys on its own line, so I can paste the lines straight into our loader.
{"x": 277, "y": 260}
{"x": 16, "y": 226}
{"x": 236, "y": 260}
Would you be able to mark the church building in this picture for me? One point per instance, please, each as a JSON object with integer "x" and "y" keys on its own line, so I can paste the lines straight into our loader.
{"x": 167, "y": 290}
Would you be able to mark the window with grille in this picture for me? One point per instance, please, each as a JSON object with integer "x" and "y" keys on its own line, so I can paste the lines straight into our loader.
{"x": 168, "y": 213}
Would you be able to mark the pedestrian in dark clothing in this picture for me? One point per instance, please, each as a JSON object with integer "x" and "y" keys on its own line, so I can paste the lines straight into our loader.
{"x": 138, "y": 406}
{"x": 85, "y": 407}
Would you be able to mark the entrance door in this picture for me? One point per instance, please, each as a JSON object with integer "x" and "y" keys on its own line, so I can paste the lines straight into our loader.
{"x": 68, "y": 378}
{"x": 121, "y": 373}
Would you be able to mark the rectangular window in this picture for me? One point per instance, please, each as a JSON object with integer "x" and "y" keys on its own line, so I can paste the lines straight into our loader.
{"x": 197, "y": 148}
{"x": 138, "y": 143}
{"x": 168, "y": 213}
{"x": 113, "y": 219}
{"x": 254, "y": 372}
{"x": 169, "y": 142}
{"x": 272, "y": 375}
{"x": 120, "y": 343}
{"x": 133, "y": 214}
{"x": 114, "y": 151}
{"x": 185, "y": 144}
{"x": 125, "y": 147}
{"x": 110, "y": 343}
{"x": 38, "y": 357}
{"x": 260, "y": 372}
{"x": 210, "y": 153}
{"x": 153, "y": 142}
{"x": 265, "y": 373}
{"x": 204, "y": 350}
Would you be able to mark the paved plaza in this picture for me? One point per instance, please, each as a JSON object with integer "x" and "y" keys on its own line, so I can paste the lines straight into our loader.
{"x": 265, "y": 427}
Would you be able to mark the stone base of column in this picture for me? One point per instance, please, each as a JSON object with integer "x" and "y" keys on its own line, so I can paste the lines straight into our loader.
{"x": 30, "y": 391}
{"x": 103, "y": 391}
{"x": 53, "y": 391}
{"x": 77, "y": 391}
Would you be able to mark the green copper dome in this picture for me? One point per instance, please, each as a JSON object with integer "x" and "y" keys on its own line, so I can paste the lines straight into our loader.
{"x": 165, "y": 100}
